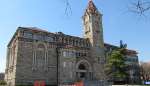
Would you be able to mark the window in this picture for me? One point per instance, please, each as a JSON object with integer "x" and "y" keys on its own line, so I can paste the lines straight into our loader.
{"x": 72, "y": 54}
{"x": 40, "y": 55}
{"x": 27, "y": 35}
{"x": 38, "y": 37}
{"x": 82, "y": 67}
{"x": 68, "y": 53}
{"x": 64, "y": 64}
{"x": 64, "y": 53}
{"x": 49, "y": 39}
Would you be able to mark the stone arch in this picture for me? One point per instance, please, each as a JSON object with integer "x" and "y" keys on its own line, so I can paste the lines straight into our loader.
{"x": 41, "y": 44}
{"x": 86, "y": 63}
{"x": 83, "y": 70}
{"x": 82, "y": 67}
{"x": 40, "y": 55}
{"x": 41, "y": 47}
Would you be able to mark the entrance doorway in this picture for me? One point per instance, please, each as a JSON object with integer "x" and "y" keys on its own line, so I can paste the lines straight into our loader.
{"x": 83, "y": 71}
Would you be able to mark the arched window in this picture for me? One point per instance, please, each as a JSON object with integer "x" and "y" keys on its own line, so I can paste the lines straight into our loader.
{"x": 82, "y": 67}
{"x": 40, "y": 55}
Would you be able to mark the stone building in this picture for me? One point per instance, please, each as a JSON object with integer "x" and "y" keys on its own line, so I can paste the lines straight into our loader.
{"x": 133, "y": 67}
{"x": 132, "y": 62}
{"x": 56, "y": 58}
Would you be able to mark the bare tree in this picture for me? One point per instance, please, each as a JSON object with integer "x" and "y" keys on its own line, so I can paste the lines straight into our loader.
{"x": 140, "y": 7}
{"x": 145, "y": 71}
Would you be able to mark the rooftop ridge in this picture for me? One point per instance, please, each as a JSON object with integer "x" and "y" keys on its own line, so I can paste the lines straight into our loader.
{"x": 35, "y": 28}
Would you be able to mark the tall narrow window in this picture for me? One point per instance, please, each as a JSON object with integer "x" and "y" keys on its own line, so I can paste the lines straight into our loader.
{"x": 40, "y": 56}
{"x": 64, "y": 53}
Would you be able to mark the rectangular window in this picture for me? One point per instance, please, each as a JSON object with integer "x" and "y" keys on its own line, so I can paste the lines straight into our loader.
{"x": 49, "y": 39}
{"x": 64, "y": 64}
{"x": 27, "y": 35}
{"x": 64, "y": 53}
{"x": 38, "y": 37}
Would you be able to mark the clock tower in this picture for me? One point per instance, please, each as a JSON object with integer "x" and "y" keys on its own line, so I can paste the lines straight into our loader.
{"x": 93, "y": 31}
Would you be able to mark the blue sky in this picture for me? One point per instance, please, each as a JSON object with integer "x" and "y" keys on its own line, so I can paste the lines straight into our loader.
{"x": 118, "y": 22}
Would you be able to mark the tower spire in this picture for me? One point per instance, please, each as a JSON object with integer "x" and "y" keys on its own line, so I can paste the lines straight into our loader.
{"x": 91, "y": 7}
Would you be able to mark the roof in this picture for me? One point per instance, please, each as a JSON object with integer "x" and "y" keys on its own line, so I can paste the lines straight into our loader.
{"x": 129, "y": 51}
{"x": 35, "y": 29}
{"x": 91, "y": 6}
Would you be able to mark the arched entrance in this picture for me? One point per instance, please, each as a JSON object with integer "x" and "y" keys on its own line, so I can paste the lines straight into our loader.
{"x": 83, "y": 70}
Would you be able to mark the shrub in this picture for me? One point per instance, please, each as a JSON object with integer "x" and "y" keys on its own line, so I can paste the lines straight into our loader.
{"x": 2, "y": 82}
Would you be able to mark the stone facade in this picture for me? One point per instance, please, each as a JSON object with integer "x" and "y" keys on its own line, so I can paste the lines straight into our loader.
{"x": 56, "y": 58}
